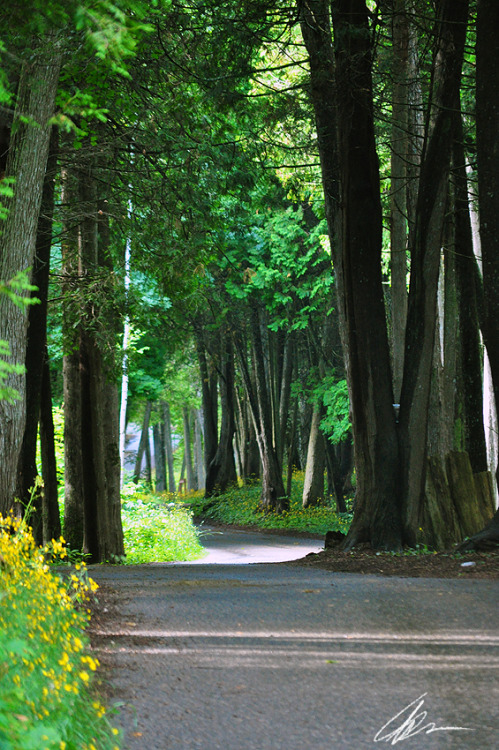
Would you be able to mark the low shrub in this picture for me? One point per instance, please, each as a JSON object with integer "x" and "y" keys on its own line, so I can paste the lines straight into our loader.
{"x": 241, "y": 507}
{"x": 156, "y": 530}
{"x": 48, "y": 698}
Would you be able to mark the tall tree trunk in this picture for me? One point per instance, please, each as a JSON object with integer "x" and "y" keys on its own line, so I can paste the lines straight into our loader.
{"x": 221, "y": 472}
{"x": 159, "y": 458}
{"x": 246, "y": 436}
{"x": 398, "y": 189}
{"x": 144, "y": 439}
{"x": 51, "y": 516}
{"x": 167, "y": 439}
{"x": 468, "y": 283}
{"x": 198, "y": 448}
{"x": 425, "y": 263}
{"x": 36, "y": 340}
{"x": 103, "y": 535}
{"x": 273, "y": 496}
{"x": 27, "y": 162}
{"x": 73, "y": 467}
{"x": 209, "y": 395}
{"x": 358, "y": 270}
{"x": 191, "y": 482}
{"x": 487, "y": 109}
{"x": 95, "y": 515}
{"x": 313, "y": 487}
{"x": 348, "y": 158}
{"x": 285, "y": 392}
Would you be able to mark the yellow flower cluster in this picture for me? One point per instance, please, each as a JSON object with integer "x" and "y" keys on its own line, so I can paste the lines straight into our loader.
{"x": 44, "y": 664}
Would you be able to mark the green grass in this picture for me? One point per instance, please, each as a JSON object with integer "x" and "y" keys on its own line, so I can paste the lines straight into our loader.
{"x": 240, "y": 507}
{"x": 157, "y": 528}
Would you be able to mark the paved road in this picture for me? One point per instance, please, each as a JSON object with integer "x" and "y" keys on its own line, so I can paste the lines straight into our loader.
{"x": 232, "y": 547}
{"x": 271, "y": 657}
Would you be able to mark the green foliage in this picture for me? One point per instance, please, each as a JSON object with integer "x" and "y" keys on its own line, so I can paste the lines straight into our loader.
{"x": 7, "y": 368}
{"x": 13, "y": 291}
{"x": 47, "y": 675}
{"x": 157, "y": 531}
{"x": 6, "y": 184}
{"x": 336, "y": 423}
{"x": 111, "y": 31}
{"x": 283, "y": 259}
{"x": 241, "y": 507}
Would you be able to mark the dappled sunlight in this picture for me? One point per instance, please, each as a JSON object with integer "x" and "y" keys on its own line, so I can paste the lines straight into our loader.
{"x": 261, "y": 649}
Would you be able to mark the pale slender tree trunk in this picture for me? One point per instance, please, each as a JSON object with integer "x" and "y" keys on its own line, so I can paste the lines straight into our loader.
{"x": 143, "y": 442}
{"x": 168, "y": 445}
{"x": 313, "y": 487}
{"x": 198, "y": 448}
{"x": 191, "y": 484}
{"x": 124, "y": 367}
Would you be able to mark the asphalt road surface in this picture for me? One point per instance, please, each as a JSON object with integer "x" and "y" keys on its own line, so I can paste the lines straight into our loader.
{"x": 226, "y": 546}
{"x": 271, "y": 657}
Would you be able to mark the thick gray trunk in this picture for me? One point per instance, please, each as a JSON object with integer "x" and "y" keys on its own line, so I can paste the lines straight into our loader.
{"x": 27, "y": 163}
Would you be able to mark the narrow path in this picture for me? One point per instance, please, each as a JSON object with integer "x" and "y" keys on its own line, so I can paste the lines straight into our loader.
{"x": 264, "y": 657}
{"x": 227, "y": 546}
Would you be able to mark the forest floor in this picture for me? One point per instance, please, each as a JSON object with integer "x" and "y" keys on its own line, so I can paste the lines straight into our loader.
{"x": 417, "y": 564}
{"x": 365, "y": 560}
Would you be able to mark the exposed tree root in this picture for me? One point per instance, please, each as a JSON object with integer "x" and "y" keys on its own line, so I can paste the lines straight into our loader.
{"x": 488, "y": 538}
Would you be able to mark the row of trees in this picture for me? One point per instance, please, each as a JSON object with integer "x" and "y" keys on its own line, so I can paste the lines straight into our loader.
{"x": 250, "y": 196}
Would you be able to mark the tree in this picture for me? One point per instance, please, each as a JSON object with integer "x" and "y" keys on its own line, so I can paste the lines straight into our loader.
{"x": 487, "y": 104}
{"x": 36, "y": 353}
{"x": 27, "y": 161}
{"x": 390, "y": 457}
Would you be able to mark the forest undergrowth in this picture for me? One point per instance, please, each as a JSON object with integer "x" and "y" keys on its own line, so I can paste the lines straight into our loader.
{"x": 48, "y": 688}
{"x": 241, "y": 507}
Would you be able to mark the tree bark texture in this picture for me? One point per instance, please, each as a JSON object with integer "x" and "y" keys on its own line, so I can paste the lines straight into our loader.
{"x": 36, "y": 340}
{"x": 92, "y": 391}
{"x": 51, "y": 521}
{"x": 221, "y": 472}
{"x": 189, "y": 468}
{"x": 357, "y": 263}
{"x": 425, "y": 264}
{"x": 208, "y": 393}
{"x": 144, "y": 439}
{"x": 313, "y": 487}
{"x": 468, "y": 283}
{"x": 273, "y": 496}
{"x": 197, "y": 415}
{"x": 398, "y": 190}
{"x": 73, "y": 467}
{"x": 167, "y": 439}
{"x": 27, "y": 161}
{"x": 487, "y": 108}
{"x": 159, "y": 458}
